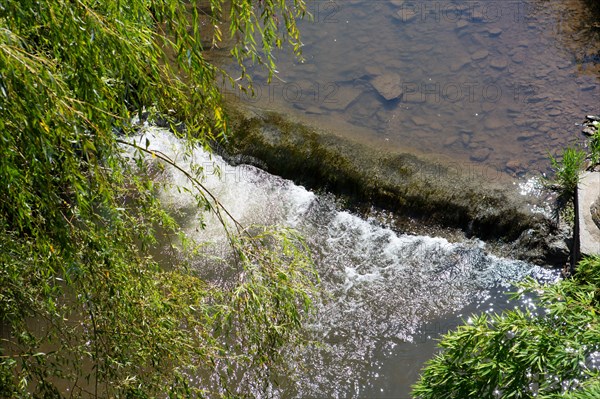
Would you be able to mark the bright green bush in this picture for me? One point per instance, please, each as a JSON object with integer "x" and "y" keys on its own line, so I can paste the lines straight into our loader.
{"x": 551, "y": 349}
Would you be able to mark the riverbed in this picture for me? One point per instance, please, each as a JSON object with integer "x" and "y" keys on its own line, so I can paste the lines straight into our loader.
{"x": 495, "y": 83}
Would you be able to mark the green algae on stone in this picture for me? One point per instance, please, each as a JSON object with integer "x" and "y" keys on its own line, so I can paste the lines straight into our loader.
{"x": 407, "y": 184}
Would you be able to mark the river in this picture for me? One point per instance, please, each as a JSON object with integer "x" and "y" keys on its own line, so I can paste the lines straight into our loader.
{"x": 496, "y": 84}
{"x": 389, "y": 294}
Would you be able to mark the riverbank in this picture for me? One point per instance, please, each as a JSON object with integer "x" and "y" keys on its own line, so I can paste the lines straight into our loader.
{"x": 478, "y": 202}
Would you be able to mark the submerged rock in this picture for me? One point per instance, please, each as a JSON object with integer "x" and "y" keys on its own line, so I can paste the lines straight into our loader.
{"x": 388, "y": 85}
{"x": 480, "y": 55}
{"x": 499, "y": 63}
{"x": 481, "y": 154}
{"x": 515, "y": 166}
{"x": 494, "y": 32}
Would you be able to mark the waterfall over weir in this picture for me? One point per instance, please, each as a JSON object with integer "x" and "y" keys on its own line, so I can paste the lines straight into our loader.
{"x": 389, "y": 294}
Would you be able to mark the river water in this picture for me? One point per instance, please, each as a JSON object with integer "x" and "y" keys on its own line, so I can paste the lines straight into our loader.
{"x": 389, "y": 294}
{"x": 499, "y": 83}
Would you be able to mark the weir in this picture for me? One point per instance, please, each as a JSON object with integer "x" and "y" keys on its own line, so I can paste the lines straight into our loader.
{"x": 386, "y": 291}
{"x": 481, "y": 202}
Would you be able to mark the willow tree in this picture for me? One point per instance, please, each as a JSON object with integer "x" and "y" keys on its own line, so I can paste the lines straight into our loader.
{"x": 85, "y": 309}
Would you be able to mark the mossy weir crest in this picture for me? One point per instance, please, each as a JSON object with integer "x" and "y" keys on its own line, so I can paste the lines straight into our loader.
{"x": 409, "y": 185}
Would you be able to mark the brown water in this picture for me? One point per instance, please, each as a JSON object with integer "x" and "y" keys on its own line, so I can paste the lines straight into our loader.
{"x": 490, "y": 82}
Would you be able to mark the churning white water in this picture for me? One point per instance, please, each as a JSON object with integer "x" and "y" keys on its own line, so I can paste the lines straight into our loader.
{"x": 383, "y": 287}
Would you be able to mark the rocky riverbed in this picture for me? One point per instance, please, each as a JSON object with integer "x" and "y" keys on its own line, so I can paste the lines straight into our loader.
{"x": 496, "y": 84}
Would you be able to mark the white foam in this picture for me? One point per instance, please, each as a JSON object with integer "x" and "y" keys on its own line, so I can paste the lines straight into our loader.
{"x": 249, "y": 194}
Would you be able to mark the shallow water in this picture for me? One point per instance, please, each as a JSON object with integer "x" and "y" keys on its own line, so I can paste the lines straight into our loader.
{"x": 390, "y": 294}
{"x": 499, "y": 83}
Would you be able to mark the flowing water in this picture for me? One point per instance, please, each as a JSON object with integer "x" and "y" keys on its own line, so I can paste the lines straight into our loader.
{"x": 499, "y": 83}
{"x": 390, "y": 293}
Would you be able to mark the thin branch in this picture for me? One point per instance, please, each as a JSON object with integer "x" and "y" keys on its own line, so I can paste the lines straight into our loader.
{"x": 199, "y": 186}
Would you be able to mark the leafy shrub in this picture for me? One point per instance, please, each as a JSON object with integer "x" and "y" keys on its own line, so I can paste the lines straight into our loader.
{"x": 567, "y": 171}
{"x": 551, "y": 349}
{"x": 85, "y": 308}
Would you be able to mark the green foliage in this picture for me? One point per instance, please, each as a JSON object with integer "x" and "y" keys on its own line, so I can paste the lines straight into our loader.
{"x": 567, "y": 171}
{"x": 550, "y": 352}
{"x": 85, "y": 309}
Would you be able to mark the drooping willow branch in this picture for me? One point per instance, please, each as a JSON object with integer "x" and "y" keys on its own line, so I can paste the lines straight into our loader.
{"x": 218, "y": 209}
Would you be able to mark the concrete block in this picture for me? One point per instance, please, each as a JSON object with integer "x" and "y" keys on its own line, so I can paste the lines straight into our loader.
{"x": 588, "y": 192}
